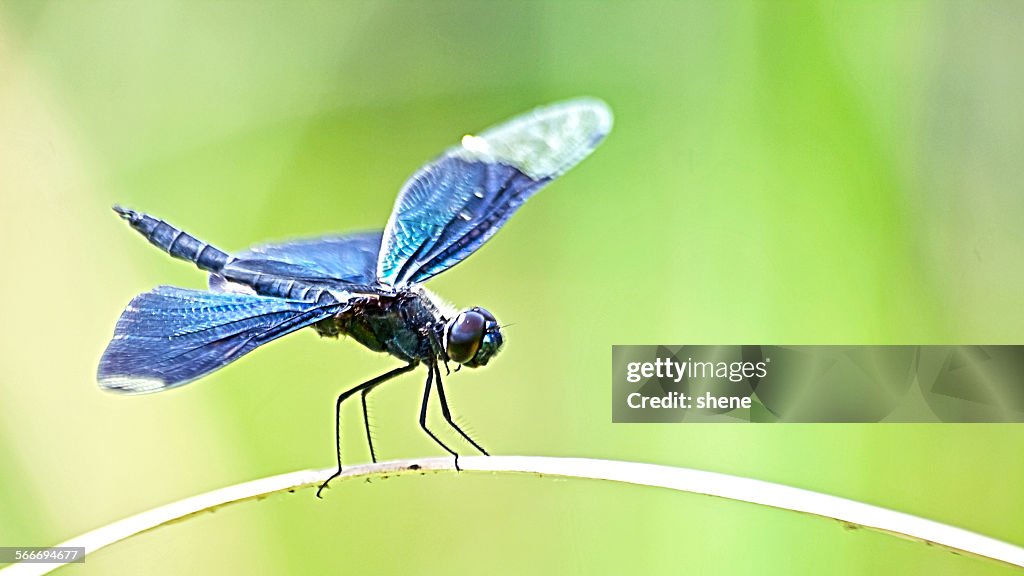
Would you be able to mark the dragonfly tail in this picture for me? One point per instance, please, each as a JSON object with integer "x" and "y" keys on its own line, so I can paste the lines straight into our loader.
{"x": 175, "y": 241}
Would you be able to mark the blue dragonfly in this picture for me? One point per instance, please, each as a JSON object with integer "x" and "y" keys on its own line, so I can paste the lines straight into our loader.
{"x": 367, "y": 286}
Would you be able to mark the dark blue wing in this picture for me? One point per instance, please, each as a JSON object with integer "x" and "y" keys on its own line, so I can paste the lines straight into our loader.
{"x": 332, "y": 260}
{"x": 170, "y": 336}
{"x": 448, "y": 209}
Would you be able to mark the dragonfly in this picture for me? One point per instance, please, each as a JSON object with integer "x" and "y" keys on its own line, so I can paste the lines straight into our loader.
{"x": 367, "y": 286}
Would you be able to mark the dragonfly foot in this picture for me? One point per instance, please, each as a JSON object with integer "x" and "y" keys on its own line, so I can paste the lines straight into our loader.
{"x": 326, "y": 482}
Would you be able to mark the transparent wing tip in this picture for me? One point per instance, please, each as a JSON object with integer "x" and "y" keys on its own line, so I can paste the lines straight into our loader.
{"x": 130, "y": 384}
{"x": 594, "y": 108}
{"x": 545, "y": 142}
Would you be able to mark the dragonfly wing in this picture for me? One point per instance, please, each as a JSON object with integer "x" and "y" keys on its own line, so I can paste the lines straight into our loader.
{"x": 452, "y": 206}
{"x": 334, "y": 260}
{"x": 170, "y": 336}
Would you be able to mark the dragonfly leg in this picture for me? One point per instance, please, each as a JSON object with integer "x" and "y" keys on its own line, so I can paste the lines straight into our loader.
{"x": 423, "y": 413}
{"x": 364, "y": 387}
{"x": 448, "y": 414}
{"x": 366, "y": 423}
{"x": 439, "y": 351}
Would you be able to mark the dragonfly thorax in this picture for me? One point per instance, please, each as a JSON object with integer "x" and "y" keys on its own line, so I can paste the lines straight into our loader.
{"x": 415, "y": 326}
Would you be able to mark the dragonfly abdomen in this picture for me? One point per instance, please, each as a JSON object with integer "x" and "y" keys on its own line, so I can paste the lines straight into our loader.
{"x": 175, "y": 241}
{"x": 273, "y": 285}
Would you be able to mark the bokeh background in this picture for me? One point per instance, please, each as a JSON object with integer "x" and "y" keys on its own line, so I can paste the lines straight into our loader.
{"x": 779, "y": 172}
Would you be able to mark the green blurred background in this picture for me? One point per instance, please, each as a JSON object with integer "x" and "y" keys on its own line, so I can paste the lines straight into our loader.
{"x": 779, "y": 172}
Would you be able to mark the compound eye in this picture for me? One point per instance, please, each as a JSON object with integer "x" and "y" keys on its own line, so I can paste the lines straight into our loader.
{"x": 487, "y": 315}
{"x": 464, "y": 336}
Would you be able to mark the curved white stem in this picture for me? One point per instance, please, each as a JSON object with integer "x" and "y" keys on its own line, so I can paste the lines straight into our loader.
{"x": 683, "y": 479}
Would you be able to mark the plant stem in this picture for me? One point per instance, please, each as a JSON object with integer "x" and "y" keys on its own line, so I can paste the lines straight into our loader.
{"x": 849, "y": 512}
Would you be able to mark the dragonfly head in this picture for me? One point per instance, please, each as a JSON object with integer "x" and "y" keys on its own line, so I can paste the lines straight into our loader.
{"x": 472, "y": 338}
